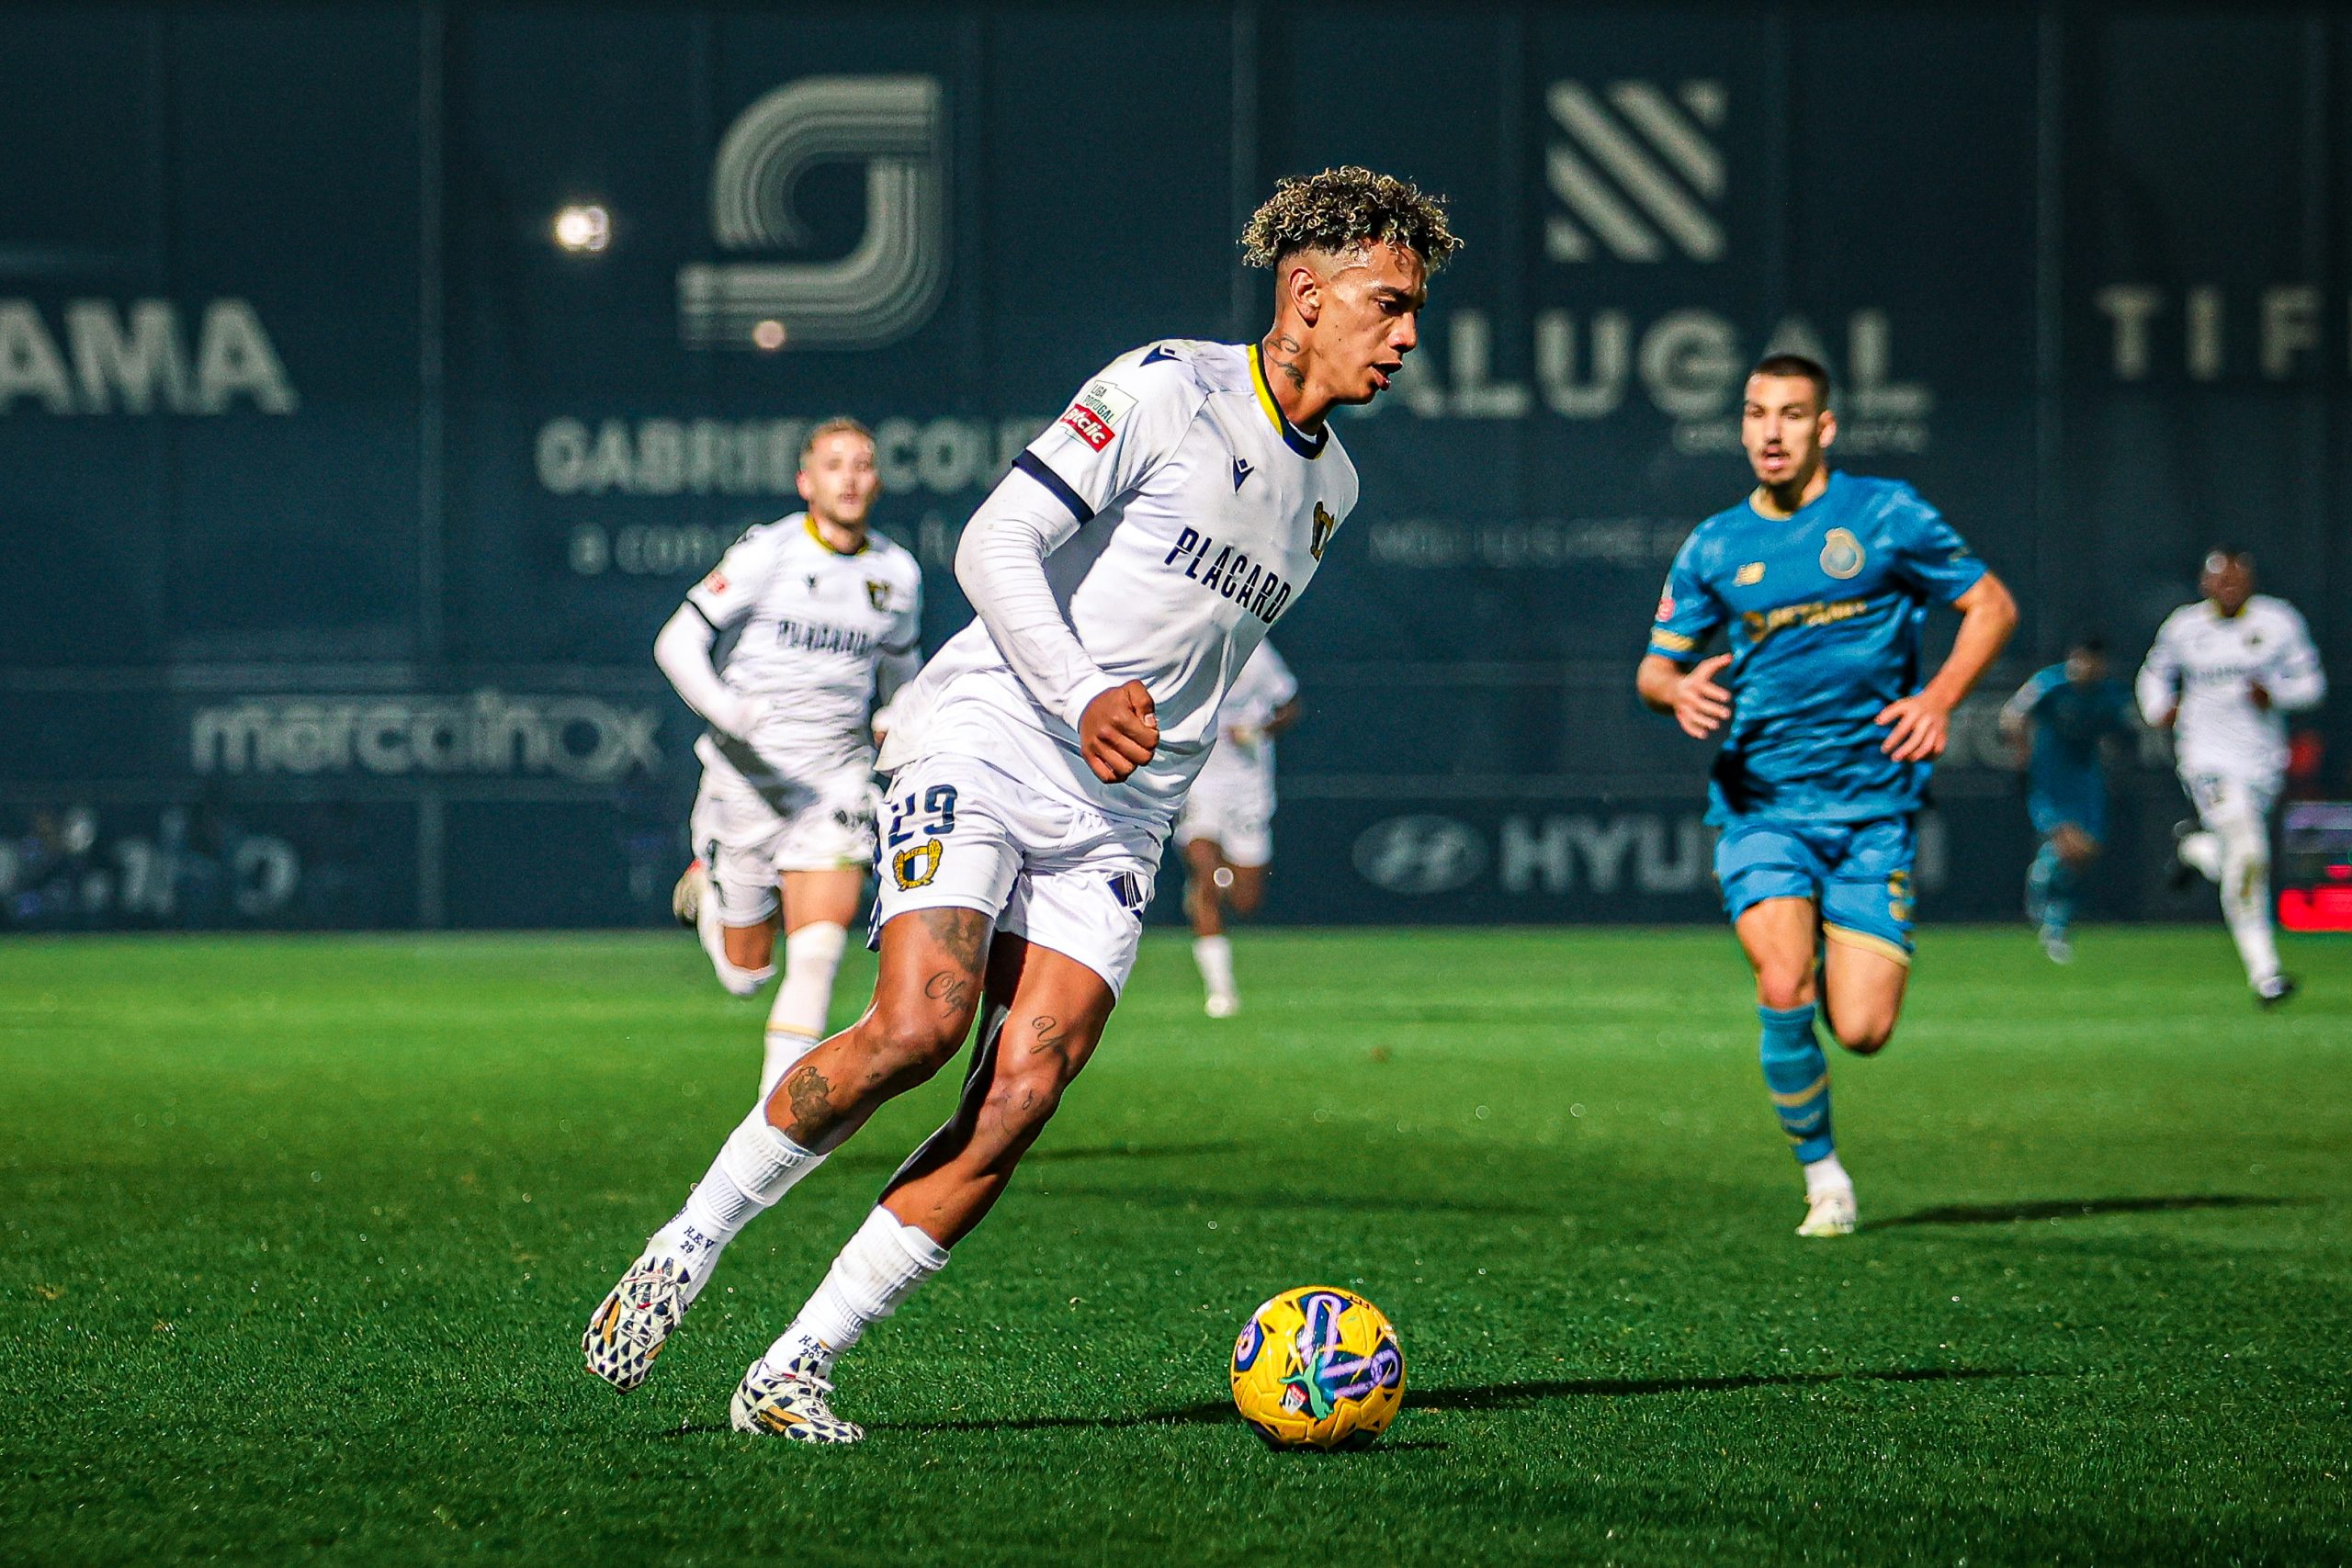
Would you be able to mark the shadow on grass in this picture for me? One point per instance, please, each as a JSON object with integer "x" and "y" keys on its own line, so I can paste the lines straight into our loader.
{"x": 2068, "y": 1208}
{"x": 1320, "y": 1202}
{"x": 1134, "y": 1151}
{"x": 1488, "y": 1396}
{"x": 854, "y": 1158}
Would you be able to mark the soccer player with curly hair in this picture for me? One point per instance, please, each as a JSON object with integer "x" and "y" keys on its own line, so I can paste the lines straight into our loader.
{"x": 1123, "y": 572}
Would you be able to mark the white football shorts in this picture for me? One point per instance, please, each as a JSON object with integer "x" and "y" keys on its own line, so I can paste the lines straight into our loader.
{"x": 748, "y": 836}
{"x": 2225, "y": 803}
{"x": 957, "y": 833}
{"x": 1233, "y": 808}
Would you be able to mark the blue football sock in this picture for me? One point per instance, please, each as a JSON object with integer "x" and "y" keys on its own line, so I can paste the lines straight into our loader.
{"x": 2052, "y": 885}
{"x": 1797, "y": 1074}
{"x": 2036, "y": 884}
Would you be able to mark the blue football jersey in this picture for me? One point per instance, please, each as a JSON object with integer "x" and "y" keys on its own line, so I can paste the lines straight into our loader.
{"x": 1823, "y": 611}
{"x": 2070, "y": 719}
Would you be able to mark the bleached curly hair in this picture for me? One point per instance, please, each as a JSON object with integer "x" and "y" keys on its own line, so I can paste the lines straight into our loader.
{"x": 1344, "y": 209}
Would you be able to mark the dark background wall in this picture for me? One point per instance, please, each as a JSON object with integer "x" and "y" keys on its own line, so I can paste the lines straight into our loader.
{"x": 339, "y": 505}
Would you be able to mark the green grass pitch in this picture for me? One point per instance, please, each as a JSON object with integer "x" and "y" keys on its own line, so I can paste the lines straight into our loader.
{"x": 297, "y": 1237}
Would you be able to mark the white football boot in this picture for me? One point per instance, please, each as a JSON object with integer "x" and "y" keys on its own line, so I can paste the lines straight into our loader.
{"x": 1830, "y": 1212}
{"x": 628, "y": 1330}
{"x": 789, "y": 1404}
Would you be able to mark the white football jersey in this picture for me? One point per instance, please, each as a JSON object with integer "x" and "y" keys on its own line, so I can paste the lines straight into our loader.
{"x": 812, "y": 629}
{"x": 1265, "y": 684}
{"x": 2207, "y": 663}
{"x": 1200, "y": 513}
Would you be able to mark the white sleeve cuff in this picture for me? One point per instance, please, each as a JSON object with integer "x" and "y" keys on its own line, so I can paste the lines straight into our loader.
{"x": 1085, "y": 695}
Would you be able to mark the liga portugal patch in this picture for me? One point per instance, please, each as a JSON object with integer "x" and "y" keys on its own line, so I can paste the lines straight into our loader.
{"x": 1095, "y": 417}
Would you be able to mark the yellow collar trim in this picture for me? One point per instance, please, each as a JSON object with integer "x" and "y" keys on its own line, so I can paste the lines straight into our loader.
{"x": 1293, "y": 437}
{"x": 827, "y": 545}
{"x": 1265, "y": 394}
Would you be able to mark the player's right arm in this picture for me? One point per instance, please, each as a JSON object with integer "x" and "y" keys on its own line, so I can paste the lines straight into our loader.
{"x": 682, "y": 648}
{"x": 2016, "y": 714}
{"x": 1122, "y": 425}
{"x": 1671, "y": 678}
{"x": 2157, "y": 688}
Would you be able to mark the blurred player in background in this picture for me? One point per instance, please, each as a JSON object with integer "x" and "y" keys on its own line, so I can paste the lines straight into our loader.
{"x": 1226, "y": 832}
{"x": 1822, "y": 579}
{"x": 2057, "y": 721}
{"x": 1122, "y": 574}
{"x": 2223, "y": 675}
{"x": 824, "y": 617}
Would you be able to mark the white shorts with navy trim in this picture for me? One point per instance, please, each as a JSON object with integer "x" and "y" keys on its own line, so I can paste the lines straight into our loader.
{"x": 958, "y": 833}
{"x": 1233, "y": 808}
{"x": 747, "y": 836}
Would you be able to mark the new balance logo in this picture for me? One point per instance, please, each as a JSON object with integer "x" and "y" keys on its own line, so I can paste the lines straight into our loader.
{"x": 1637, "y": 175}
{"x": 1241, "y": 471}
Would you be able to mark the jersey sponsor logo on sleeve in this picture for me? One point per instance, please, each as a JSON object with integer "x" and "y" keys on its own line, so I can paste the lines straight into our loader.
{"x": 1841, "y": 554}
{"x": 716, "y": 583}
{"x": 1665, "y": 606}
{"x": 1095, "y": 417}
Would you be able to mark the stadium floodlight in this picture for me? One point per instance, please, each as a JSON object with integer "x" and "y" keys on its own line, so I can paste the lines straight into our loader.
{"x": 584, "y": 230}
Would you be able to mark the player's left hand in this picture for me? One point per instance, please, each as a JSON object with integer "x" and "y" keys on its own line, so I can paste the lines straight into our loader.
{"x": 1922, "y": 727}
{"x": 1119, "y": 731}
{"x": 2260, "y": 694}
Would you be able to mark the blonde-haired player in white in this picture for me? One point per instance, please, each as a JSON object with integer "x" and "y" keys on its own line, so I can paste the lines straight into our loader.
{"x": 1124, "y": 572}
{"x": 1226, "y": 832}
{"x": 2221, "y": 675}
{"x": 825, "y": 616}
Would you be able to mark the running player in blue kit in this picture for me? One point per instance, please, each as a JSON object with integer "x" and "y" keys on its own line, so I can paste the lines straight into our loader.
{"x": 2059, "y": 718}
{"x": 1823, "y": 580}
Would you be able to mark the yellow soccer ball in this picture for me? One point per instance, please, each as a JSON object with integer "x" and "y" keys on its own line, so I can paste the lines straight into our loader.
{"x": 1317, "y": 1367}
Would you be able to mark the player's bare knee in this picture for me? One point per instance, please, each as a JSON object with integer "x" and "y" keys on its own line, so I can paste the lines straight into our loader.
{"x": 1248, "y": 892}
{"x": 1781, "y": 989}
{"x": 1021, "y": 1099}
{"x": 1864, "y": 1036}
{"x": 908, "y": 1045}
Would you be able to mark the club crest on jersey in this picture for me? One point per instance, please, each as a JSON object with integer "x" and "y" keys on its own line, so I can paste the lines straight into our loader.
{"x": 915, "y": 867}
{"x": 1095, "y": 417}
{"x": 877, "y": 595}
{"x": 1754, "y": 572}
{"x": 1841, "y": 555}
{"x": 1325, "y": 526}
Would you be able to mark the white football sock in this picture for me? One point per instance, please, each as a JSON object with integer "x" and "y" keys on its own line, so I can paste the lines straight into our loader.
{"x": 2245, "y": 904}
{"x": 2203, "y": 852}
{"x": 740, "y": 982}
{"x": 757, "y": 1166}
{"x": 1825, "y": 1174}
{"x": 879, "y": 1268}
{"x": 1214, "y": 956}
{"x": 796, "y": 1023}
